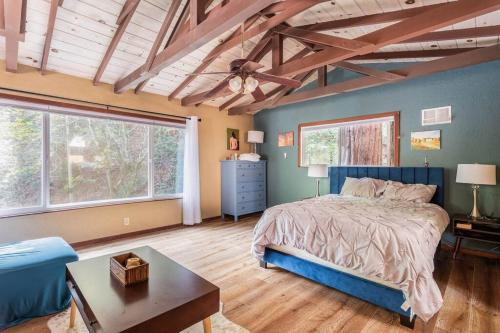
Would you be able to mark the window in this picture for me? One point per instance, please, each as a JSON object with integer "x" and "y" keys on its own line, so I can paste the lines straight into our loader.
{"x": 366, "y": 140}
{"x": 89, "y": 160}
{"x": 21, "y": 158}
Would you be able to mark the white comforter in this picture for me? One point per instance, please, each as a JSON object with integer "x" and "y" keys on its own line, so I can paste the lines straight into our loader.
{"x": 392, "y": 240}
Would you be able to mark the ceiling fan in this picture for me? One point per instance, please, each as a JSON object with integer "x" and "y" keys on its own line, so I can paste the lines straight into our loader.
{"x": 243, "y": 77}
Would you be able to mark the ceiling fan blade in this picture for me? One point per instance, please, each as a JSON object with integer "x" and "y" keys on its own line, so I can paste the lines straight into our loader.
{"x": 258, "y": 94}
{"x": 206, "y": 73}
{"x": 219, "y": 87}
{"x": 251, "y": 66}
{"x": 278, "y": 79}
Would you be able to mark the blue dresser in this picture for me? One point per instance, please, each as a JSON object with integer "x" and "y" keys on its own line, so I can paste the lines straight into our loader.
{"x": 243, "y": 187}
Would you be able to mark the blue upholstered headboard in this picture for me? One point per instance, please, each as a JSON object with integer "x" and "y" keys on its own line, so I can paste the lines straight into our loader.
{"x": 407, "y": 175}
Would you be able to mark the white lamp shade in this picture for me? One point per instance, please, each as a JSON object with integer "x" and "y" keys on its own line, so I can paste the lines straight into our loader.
{"x": 317, "y": 170}
{"x": 255, "y": 137}
{"x": 477, "y": 174}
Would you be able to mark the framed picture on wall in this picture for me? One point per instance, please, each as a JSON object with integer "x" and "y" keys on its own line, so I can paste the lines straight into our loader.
{"x": 427, "y": 140}
{"x": 233, "y": 139}
{"x": 285, "y": 139}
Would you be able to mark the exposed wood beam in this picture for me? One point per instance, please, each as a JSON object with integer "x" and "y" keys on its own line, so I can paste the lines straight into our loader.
{"x": 196, "y": 12}
{"x": 434, "y": 36}
{"x": 159, "y": 38}
{"x": 277, "y": 50}
{"x": 259, "y": 95}
{"x": 473, "y": 57}
{"x": 322, "y": 76}
{"x": 430, "y": 20}
{"x": 322, "y": 39}
{"x": 287, "y": 90}
{"x": 383, "y": 75}
{"x": 202, "y": 96}
{"x": 411, "y": 54}
{"x": 367, "y": 19}
{"x": 14, "y": 20}
{"x": 295, "y": 7}
{"x": 129, "y": 7}
{"x": 206, "y": 62}
{"x": 2, "y": 16}
{"x": 457, "y": 34}
{"x": 183, "y": 18}
{"x": 54, "y": 5}
{"x": 227, "y": 17}
{"x": 292, "y": 8}
{"x": 230, "y": 101}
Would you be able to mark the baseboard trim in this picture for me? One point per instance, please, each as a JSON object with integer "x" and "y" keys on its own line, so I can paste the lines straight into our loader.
{"x": 101, "y": 240}
{"x": 97, "y": 241}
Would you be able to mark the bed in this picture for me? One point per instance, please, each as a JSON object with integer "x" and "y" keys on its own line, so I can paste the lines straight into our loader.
{"x": 378, "y": 250}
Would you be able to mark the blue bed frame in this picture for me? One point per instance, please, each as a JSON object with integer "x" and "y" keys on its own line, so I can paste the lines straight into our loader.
{"x": 372, "y": 292}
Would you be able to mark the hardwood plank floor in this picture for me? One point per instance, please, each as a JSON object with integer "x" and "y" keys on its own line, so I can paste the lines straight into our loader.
{"x": 273, "y": 300}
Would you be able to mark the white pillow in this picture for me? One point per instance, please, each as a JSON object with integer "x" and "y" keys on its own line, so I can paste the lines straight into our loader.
{"x": 410, "y": 192}
{"x": 363, "y": 187}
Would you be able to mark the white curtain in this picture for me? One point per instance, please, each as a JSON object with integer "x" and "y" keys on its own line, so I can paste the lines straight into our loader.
{"x": 191, "y": 210}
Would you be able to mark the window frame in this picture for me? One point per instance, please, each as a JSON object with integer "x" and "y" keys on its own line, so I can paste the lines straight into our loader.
{"x": 394, "y": 114}
{"x": 47, "y": 109}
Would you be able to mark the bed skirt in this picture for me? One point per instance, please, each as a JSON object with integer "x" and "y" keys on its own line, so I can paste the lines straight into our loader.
{"x": 369, "y": 291}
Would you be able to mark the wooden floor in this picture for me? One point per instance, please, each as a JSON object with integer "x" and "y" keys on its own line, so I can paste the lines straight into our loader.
{"x": 276, "y": 301}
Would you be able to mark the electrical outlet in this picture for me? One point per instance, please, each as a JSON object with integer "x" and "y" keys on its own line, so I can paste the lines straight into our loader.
{"x": 285, "y": 155}
{"x": 126, "y": 220}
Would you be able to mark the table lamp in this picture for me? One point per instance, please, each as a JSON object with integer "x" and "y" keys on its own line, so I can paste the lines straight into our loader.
{"x": 317, "y": 171}
{"x": 255, "y": 137}
{"x": 476, "y": 174}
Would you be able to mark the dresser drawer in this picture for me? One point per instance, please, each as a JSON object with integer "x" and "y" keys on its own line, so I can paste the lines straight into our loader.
{"x": 250, "y": 175}
{"x": 250, "y": 165}
{"x": 251, "y": 196}
{"x": 250, "y": 187}
{"x": 250, "y": 207}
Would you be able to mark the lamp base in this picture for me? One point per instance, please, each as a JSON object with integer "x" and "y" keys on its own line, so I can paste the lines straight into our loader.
{"x": 475, "y": 209}
{"x": 317, "y": 188}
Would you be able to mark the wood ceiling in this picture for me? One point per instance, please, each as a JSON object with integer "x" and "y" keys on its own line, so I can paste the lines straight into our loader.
{"x": 151, "y": 45}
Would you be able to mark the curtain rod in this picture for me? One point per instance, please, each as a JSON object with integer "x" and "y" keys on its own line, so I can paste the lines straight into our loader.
{"x": 106, "y": 106}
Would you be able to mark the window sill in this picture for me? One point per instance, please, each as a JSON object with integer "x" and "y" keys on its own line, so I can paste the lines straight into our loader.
{"x": 66, "y": 207}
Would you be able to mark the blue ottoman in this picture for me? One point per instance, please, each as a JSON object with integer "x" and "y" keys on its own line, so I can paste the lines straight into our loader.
{"x": 33, "y": 279}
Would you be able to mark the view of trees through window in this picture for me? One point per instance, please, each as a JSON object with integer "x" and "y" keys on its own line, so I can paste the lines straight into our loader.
{"x": 321, "y": 146}
{"x": 367, "y": 142}
{"x": 90, "y": 159}
{"x": 20, "y": 158}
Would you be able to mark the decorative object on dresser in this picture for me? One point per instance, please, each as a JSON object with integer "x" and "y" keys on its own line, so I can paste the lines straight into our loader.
{"x": 317, "y": 171}
{"x": 255, "y": 137}
{"x": 484, "y": 230}
{"x": 243, "y": 187}
{"x": 476, "y": 174}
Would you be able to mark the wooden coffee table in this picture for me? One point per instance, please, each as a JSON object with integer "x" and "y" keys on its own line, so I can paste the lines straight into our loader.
{"x": 173, "y": 298}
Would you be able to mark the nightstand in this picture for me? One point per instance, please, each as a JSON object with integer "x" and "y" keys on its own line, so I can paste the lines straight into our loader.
{"x": 484, "y": 229}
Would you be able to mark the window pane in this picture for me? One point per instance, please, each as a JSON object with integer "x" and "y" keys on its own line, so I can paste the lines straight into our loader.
{"x": 168, "y": 159}
{"x": 97, "y": 159}
{"x": 320, "y": 146}
{"x": 21, "y": 158}
{"x": 349, "y": 143}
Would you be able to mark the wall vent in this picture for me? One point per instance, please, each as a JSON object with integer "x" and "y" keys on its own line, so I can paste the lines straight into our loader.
{"x": 435, "y": 116}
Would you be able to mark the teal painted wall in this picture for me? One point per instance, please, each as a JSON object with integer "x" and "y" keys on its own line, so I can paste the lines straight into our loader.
{"x": 473, "y": 135}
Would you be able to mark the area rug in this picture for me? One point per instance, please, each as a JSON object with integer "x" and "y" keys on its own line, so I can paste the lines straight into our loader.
{"x": 59, "y": 323}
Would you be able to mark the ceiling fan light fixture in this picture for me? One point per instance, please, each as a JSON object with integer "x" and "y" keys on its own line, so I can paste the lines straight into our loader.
{"x": 235, "y": 84}
{"x": 251, "y": 84}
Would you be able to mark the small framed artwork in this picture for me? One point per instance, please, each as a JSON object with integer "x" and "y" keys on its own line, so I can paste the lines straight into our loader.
{"x": 285, "y": 139}
{"x": 427, "y": 140}
{"x": 233, "y": 139}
